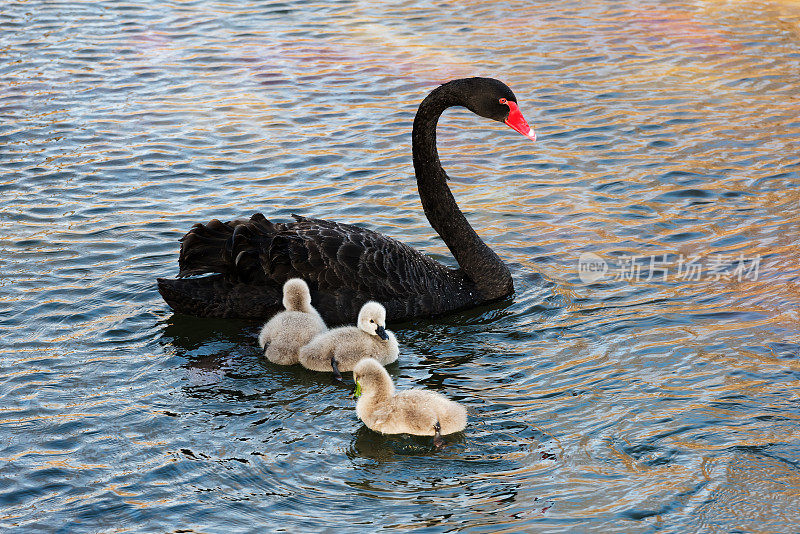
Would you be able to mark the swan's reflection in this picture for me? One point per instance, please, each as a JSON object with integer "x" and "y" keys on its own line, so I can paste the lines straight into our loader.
{"x": 367, "y": 443}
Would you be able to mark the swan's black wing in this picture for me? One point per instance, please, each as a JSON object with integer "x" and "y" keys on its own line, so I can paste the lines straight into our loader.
{"x": 329, "y": 255}
{"x": 344, "y": 265}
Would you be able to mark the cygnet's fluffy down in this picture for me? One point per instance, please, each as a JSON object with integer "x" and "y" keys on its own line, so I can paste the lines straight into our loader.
{"x": 413, "y": 411}
{"x": 340, "y": 349}
{"x": 284, "y": 334}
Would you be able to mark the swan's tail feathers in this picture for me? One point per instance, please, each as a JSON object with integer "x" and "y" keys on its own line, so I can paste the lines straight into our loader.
{"x": 230, "y": 248}
{"x": 215, "y": 296}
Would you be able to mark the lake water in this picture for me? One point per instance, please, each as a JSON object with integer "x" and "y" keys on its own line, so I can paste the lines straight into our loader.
{"x": 624, "y": 403}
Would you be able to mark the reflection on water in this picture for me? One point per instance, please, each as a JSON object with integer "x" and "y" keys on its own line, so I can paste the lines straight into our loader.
{"x": 630, "y": 403}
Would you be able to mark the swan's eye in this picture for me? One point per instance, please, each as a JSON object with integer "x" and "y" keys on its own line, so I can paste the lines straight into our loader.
{"x": 503, "y": 101}
{"x": 372, "y": 320}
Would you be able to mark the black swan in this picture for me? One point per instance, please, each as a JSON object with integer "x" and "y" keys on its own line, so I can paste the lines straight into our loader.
{"x": 248, "y": 261}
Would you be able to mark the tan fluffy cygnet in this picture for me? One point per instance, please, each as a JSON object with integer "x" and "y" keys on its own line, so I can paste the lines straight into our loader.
{"x": 340, "y": 349}
{"x": 413, "y": 411}
{"x": 284, "y": 334}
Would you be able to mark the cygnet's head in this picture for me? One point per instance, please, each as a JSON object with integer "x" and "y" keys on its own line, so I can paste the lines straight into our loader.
{"x": 370, "y": 377}
{"x": 296, "y": 296}
{"x": 372, "y": 319}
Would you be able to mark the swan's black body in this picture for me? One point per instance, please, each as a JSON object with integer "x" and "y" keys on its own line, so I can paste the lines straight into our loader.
{"x": 345, "y": 265}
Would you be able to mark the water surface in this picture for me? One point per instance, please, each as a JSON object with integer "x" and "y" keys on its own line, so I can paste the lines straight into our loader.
{"x": 626, "y": 404}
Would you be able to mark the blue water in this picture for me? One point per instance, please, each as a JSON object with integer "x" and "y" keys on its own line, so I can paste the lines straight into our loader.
{"x": 629, "y": 403}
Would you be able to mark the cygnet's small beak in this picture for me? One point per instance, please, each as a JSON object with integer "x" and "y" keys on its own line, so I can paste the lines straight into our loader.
{"x": 381, "y": 331}
{"x": 357, "y": 392}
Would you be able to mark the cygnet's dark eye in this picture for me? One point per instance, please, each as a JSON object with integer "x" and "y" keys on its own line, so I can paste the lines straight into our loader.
{"x": 372, "y": 320}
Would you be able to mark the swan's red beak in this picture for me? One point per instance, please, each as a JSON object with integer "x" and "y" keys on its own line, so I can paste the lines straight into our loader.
{"x": 517, "y": 122}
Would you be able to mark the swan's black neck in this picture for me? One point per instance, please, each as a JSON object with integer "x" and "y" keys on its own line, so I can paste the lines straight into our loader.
{"x": 477, "y": 261}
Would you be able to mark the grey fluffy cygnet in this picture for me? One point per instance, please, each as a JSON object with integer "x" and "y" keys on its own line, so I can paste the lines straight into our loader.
{"x": 413, "y": 411}
{"x": 340, "y": 349}
{"x": 284, "y": 334}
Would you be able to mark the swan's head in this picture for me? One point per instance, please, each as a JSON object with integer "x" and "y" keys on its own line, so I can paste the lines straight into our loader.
{"x": 494, "y": 100}
{"x": 370, "y": 377}
{"x": 296, "y": 296}
{"x": 372, "y": 319}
